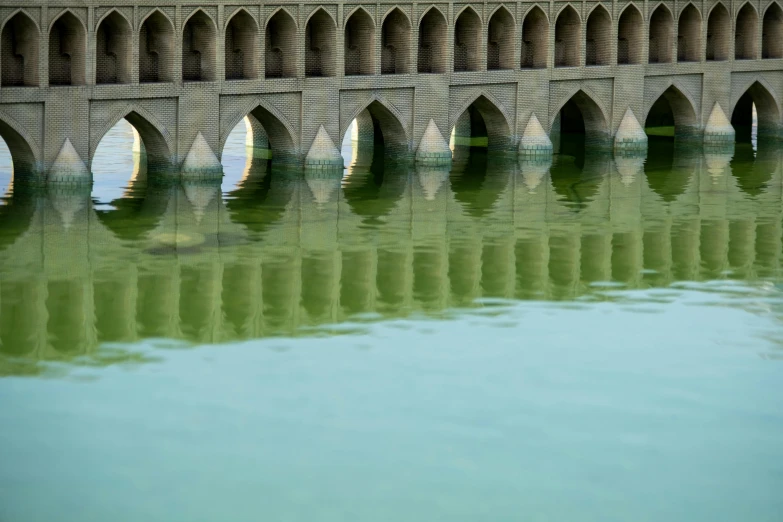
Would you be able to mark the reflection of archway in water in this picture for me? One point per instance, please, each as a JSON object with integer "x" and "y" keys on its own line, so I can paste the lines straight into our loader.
{"x": 577, "y": 179}
{"x": 753, "y": 169}
{"x": 374, "y": 191}
{"x": 479, "y": 182}
{"x": 6, "y": 172}
{"x": 260, "y": 198}
{"x": 16, "y": 210}
{"x": 667, "y": 169}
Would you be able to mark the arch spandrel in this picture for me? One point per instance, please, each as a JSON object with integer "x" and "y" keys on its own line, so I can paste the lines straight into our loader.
{"x": 238, "y": 11}
{"x": 76, "y": 12}
{"x": 34, "y": 19}
{"x": 285, "y": 10}
{"x": 654, "y": 88}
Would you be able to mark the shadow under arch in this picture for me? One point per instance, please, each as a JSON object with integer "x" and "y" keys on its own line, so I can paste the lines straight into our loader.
{"x": 581, "y": 115}
{"x": 767, "y": 113}
{"x": 380, "y": 132}
{"x": 280, "y": 135}
{"x": 672, "y": 115}
{"x": 486, "y": 120}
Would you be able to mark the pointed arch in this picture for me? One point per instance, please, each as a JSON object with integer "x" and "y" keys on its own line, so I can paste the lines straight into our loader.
{"x": 718, "y": 33}
{"x": 630, "y": 31}
{"x": 501, "y": 34}
{"x": 746, "y": 33}
{"x": 494, "y": 117}
{"x": 467, "y": 41}
{"x": 158, "y": 143}
{"x": 388, "y": 122}
{"x": 156, "y": 48}
{"x": 25, "y": 154}
{"x": 595, "y": 120}
{"x": 67, "y": 50}
{"x": 395, "y": 42}
{"x": 689, "y": 34}
{"x": 772, "y": 32}
{"x": 768, "y": 108}
{"x": 19, "y": 51}
{"x": 281, "y": 135}
{"x": 433, "y": 53}
{"x": 535, "y": 39}
{"x": 598, "y": 37}
{"x": 359, "y": 43}
{"x": 241, "y": 42}
{"x": 681, "y": 107}
{"x": 280, "y": 45}
{"x": 320, "y": 34}
{"x": 199, "y": 35}
{"x": 113, "y": 50}
{"x": 661, "y": 35}
{"x": 568, "y": 38}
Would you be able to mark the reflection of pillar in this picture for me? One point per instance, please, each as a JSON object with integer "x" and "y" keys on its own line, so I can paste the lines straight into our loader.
{"x": 465, "y": 270}
{"x": 242, "y": 299}
{"x": 768, "y": 246}
{"x": 321, "y": 272}
{"x": 430, "y": 275}
{"x": 532, "y": 266}
{"x": 742, "y": 238}
{"x": 158, "y": 301}
{"x": 714, "y": 246}
{"x": 70, "y": 327}
{"x": 685, "y": 249}
{"x": 281, "y": 285}
{"x": 564, "y": 260}
{"x": 200, "y": 301}
{"x": 497, "y": 267}
{"x": 395, "y": 278}
{"x": 23, "y": 317}
{"x": 596, "y": 257}
{"x": 657, "y": 251}
{"x": 115, "y": 304}
{"x": 626, "y": 218}
{"x": 357, "y": 293}
{"x": 627, "y": 257}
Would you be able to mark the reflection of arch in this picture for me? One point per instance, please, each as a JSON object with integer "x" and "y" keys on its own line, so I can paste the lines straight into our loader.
{"x": 568, "y": 38}
{"x": 661, "y": 34}
{"x": 772, "y": 32}
{"x": 467, "y": 41}
{"x": 280, "y": 43}
{"x": 279, "y": 131}
{"x": 156, "y": 48}
{"x": 433, "y": 55}
{"x": 630, "y": 31}
{"x": 112, "y": 49}
{"x": 198, "y": 48}
{"x": 767, "y": 108}
{"x": 718, "y": 33}
{"x": 500, "y": 40}
{"x": 157, "y": 141}
{"x": 240, "y": 46}
{"x": 596, "y": 126}
{"x": 535, "y": 39}
{"x": 388, "y": 120}
{"x": 19, "y": 53}
{"x": 682, "y": 108}
{"x": 746, "y": 31}
{"x": 67, "y": 50}
{"x": 24, "y": 152}
{"x": 359, "y": 43}
{"x": 320, "y": 30}
{"x": 395, "y": 43}
{"x": 598, "y": 37}
{"x": 689, "y": 35}
{"x": 494, "y": 116}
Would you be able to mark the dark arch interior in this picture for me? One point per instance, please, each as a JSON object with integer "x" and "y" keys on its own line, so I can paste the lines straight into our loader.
{"x": 113, "y": 50}
{"x": 432, "y": 43}
{"x": 320, "y": 45}
{"x": 281, "y": 46}
{"x": 665, "y": 176}
{"x": 19, "y": 53}
{"x": 381, "y": 137}
{"x": 198, "y": 49}
{"x": 672, "y": 115}
{"x": 67, "y": 51}
{"x": 395, "y": 43}
{"x": 742, "y": 118}
{"x": 359, "y": 44}
{"x": 660, "y": 121}
{"x": 753, "y": 169}
{"x": 156, "y": 49}
{"x": 568, "y": 132}
{"x": 240, "y": 47}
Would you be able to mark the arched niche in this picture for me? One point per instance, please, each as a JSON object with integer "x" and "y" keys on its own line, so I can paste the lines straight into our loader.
{"x": 568, "y": 38}
{"x": 198, "y": 49}
{"x": 395, "y": 43}
{"x": 500, "y": 40}
{"x": 433, "y": 53}
{"x": 535, "y": 39}
{"x": 630, "y": 32}
{"x": 19, "y": 53}
{"x": 359, "y": 44}
{"x": 156, "y": 49}
{"x": 661, "y": 35}
{"x": 320, "y": 45}
{"x": 689, "y": 35}
{"x": 467, "y": 41}
{"x": 67, "y": 50}
{"x": 745, "y": 36}
{"x": 241, "y": 57}
{"x": 113, "y": 50}
{"x": 280, "y": 46}
{"x": 718, "y": 34}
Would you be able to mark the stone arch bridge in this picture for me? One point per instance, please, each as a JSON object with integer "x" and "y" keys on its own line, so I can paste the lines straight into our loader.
{"x": 185, "y": 74}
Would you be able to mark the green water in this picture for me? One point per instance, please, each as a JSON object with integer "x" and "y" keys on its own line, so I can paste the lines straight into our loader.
{"x": 596, "y": 341}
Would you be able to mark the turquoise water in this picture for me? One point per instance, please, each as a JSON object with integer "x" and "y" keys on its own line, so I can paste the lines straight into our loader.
{"x": 595, "y": 341}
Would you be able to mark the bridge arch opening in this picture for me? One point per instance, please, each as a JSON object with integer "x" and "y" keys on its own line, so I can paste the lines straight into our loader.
{"x": 689, "y": 35}
{"x": 396, "y": 43}
{"x": 19, "y": 54}
{"x": 23, "y": 158}
{"x": 598, "y": 38}
{"x": 359, "y": 44}
{"x": 671, "y": 116}
{"x": 467, "y": 41}
{"x": 756, "y": 115}
{"x": 375, "y": 135}
{"x": 281, "y": 56}
{"x": 320, "y": 34}
{"x": 535, "y": 39}
{"x": 433, "y": 54}
{"x": 241, "y": 59}
{"x": 718, "y": 34}
{"x": 500, "y": 40}
{"x": 661, "y": 35}
{"x": 630, "y": 30}
{"x": 481, "y": 126}
{"x": 746, "y": 33}
{"x": 579, "y": 125}
{"x": 198, "y": 49}
{"x": 113, "y": 50}
{"x": 265, "y": 137}
{"x": 67, "y": 50}
{"x": 156, "y": 49}
{"x": 772, "y": 32}
{"x": 568, "y": 38}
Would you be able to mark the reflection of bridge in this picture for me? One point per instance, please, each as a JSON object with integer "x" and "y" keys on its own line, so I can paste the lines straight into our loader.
{"x": 186, "y": 264}
{"x": 184, "y": 76}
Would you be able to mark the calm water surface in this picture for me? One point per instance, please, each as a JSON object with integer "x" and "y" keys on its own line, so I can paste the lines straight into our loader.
{"x": 599, "y": 340}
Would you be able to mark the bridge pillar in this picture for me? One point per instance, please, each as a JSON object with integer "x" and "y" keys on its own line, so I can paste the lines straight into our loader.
{"x": 66, "y": 118}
